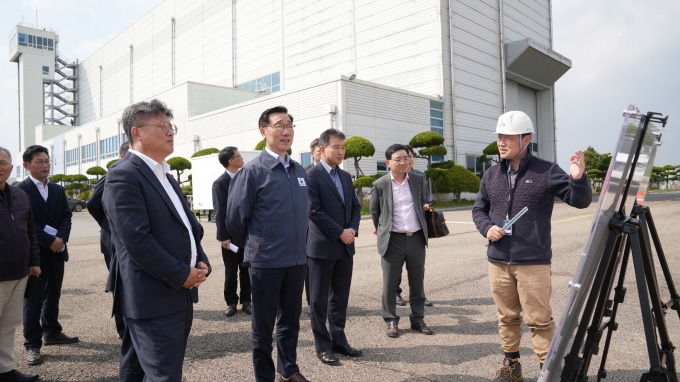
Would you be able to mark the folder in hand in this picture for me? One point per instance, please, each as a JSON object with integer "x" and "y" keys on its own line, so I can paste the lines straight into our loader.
{"x": 31, "y": 287}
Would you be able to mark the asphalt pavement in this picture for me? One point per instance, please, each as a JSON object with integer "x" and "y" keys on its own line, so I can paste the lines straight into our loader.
{"x": 465, "y": 346}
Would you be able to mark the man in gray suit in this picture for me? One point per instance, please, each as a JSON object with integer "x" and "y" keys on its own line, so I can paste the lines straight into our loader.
{"x": 397, "y": 205}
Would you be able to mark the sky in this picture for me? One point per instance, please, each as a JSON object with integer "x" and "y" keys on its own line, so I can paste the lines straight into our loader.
{"x": 622, "y": 52}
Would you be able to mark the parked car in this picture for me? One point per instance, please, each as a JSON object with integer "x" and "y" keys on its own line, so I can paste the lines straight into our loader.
{"x": 75, "y": 204}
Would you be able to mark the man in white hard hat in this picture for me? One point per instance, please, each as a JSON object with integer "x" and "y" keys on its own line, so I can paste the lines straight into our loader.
{"x": 519, "y": 257}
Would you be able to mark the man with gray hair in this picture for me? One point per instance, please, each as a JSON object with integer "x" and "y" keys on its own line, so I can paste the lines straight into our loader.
{"x": 19, "y": 257}
{"x": 158, "y": 262}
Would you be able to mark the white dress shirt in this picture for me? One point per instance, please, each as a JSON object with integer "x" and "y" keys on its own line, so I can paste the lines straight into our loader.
{"x": 42, "y": 187}
{"x": 160, "y": 170}
{"x": 404, "y": 216}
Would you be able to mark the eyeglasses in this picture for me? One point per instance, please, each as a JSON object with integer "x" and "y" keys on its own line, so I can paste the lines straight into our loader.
{"x": 3, "y": 164}
{"x": 41, "y": 162}
{"x": 235, "y": 156}
{"x": 166, "y": 128}
{"x": 399, "y": 160}
{"x": 280, "y": 127}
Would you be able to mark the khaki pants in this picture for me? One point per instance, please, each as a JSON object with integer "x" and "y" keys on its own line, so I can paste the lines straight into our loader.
{"x": 517, "y": 288}
{"x": 11, "y": 309}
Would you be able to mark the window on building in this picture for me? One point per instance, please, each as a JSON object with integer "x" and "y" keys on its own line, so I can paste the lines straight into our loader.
{"x": 381, "y": 166}
{"x": 46, "y": 70}
{"x": 72, "y": 157}
{"x": 108, "y": 148}
{"x": 305, "y": 159}
{"x": 23, "y": 39}
{"x": 474, "y": 164}
{"x": 89, "y": 152}
{"x": 270, "y": 83}
{"x": 437, "y": 123}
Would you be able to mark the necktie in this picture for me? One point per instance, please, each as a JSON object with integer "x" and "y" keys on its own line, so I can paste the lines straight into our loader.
{"x": 338, "y": 184}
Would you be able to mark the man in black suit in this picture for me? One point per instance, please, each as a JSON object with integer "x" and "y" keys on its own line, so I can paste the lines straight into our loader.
{"x": 52, "y": 218}
{"x": 158, "y": 262}
{"x": 96, "y": 209}
{"x": 334, "y": 214}
{"x": 232, "y": 161}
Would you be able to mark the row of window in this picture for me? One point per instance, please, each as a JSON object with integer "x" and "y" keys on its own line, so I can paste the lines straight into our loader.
{"x": 108, "y": 148}
{"x": 437, "y": 123}
{"x": 89, "y": 152}
{"x": 33, "y": 41}
{"x": 72, "y": 157}
{"x": 270, "y": 84}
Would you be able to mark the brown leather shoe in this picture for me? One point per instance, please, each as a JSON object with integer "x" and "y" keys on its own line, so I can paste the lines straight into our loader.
{"x": 392, "y": 329}
{"x": 297, "y": 377}
{"x": 231, "y": 309}
{"x": 421, "y": 327}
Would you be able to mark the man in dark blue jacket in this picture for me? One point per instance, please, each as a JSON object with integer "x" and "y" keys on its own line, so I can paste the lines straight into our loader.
{"x": 334, "y": 213}
{"x": 96, "y": 209}
{"x": 158, "y": 262}
{"x": 267, "y": 214}
{"x": 19, "y": 257}
{"x": 232, "y": 161}
{"x": 52, "y": 218}
{"x": 519, "y": 257}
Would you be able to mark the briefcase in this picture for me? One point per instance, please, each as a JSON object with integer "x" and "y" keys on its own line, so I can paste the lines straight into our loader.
{"x": 436, "y": 224}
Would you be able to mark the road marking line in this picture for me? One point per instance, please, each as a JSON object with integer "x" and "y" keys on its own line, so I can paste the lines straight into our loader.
{"x": 459, "y": 222}
{"x": 574, "y": 218}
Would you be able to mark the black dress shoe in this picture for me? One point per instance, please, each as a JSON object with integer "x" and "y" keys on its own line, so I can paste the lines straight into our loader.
{"x": 247, "y": 307}
{"x": 59, "y": 339}
{"x": 15, "y": 376}
{"x": 421, "y": 327}
{"x": 392, "y": 329}
{"x": 347, "y": 350}
{"x": 231, "y": 310}
{"x": 328, "y": 357}
{"x": 400, "y": 301}
{"x": 428, "y": 302}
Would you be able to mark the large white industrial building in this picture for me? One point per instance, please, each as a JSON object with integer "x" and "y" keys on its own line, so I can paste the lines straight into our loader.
{"x": 381, "y": 69}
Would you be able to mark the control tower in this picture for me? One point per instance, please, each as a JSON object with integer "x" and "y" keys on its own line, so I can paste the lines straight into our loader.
{"x": 48, "y": 92}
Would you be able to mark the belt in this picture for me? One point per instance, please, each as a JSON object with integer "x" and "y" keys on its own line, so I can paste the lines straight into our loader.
{"x": 406, "y": 233}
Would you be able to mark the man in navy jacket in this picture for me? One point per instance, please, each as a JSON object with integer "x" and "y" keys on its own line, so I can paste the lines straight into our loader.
{"x": 158, "y": 262}
{"x": 234, "y": 268}
{"x": 52, "y": 218}
{"x": 267, "y": 214}
{"x": 334, "y": 213}
{"x": 96, "y": 209}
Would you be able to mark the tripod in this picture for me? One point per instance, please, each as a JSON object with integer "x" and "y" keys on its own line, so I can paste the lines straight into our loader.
{"x": 628, "y": 237}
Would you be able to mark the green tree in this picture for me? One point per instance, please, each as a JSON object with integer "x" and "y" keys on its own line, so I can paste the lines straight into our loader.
{"x": 208, "y": 151}
{"x": 96, "y": 170}
{"x": 668, "y": 174}
{"x": 79, "y": 178}
{"x": 15, "y": 182}
{"x": 57, "y": 178}
{"x": 432, "y": 143}
{"x": 358, "y": 147}
{"x": 179, "y": 165}
{"x": 455, "y": 180}
{"x": 491, "y": 150}
{"x": 262, "y": 144}
{"x": 111, "y": 162}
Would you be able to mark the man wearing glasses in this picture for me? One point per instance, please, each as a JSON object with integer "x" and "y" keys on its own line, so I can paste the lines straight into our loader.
{"x": 397, "y": 205}
{"x": 158, "y": 262}
{"x": 267, "y": 215}
{"x": 52, "y": 218}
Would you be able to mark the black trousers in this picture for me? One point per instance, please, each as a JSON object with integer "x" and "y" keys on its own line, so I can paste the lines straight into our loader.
{"x": 330, "y": 282}
{"x": 41, "y": 315}
{"x": 120, "y": 324}
{"x": 277, "y": 298}
{"x": 153, "y": 349}
{"x": 409, "y": 250}
{"x": 233, "y": 269}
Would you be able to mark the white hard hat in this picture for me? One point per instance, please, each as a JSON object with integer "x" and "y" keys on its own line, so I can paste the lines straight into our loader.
{"x": 514, "y": 123}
